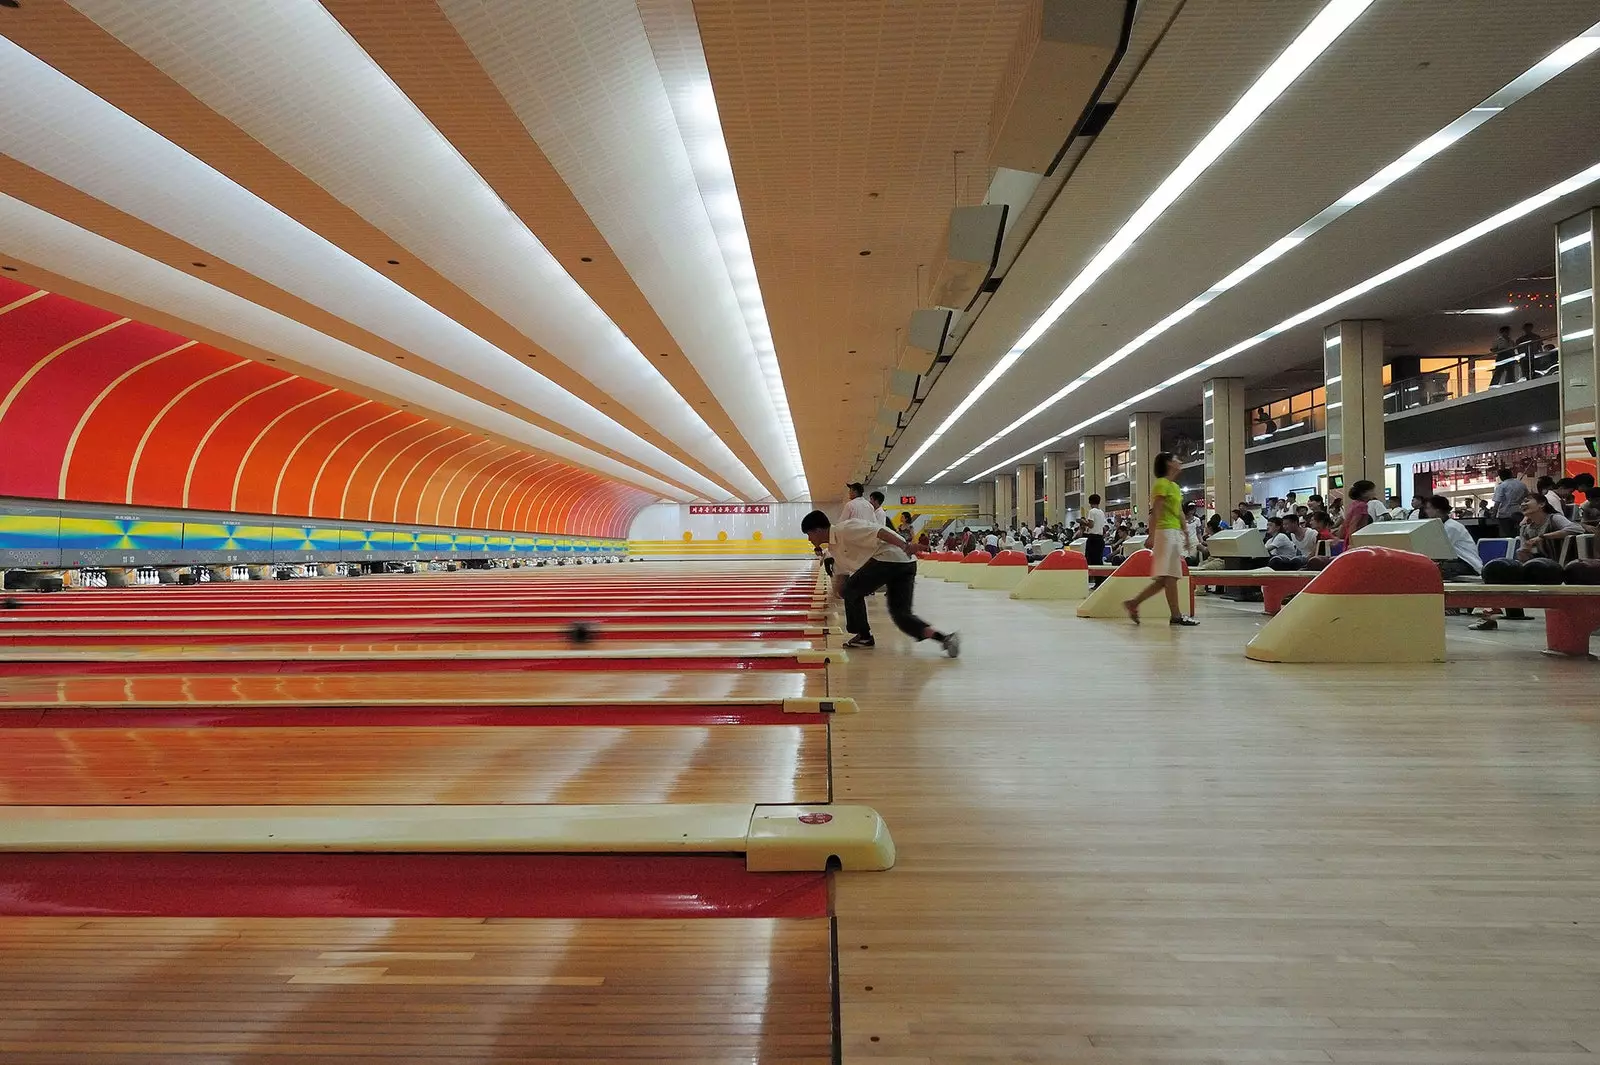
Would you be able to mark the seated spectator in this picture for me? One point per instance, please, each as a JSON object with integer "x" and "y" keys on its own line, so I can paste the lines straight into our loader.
{"x": 1543, "y": 529}
{"x": 1322, "y": 524}
{"x": 1302, "y": 534}
{"x": 1467, "y": 559}
{"x": 1546, "y": 487}
{"x": 1283, "y": 551}
{"x": 1589, "y": 512}
{"x": 1565, "y": 490}
{"x": 1315, "y": 505}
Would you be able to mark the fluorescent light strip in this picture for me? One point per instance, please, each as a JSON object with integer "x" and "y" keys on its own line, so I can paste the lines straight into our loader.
{"x": 291, "y": 77}
{"x": 1575, "y": 242}
{"x": 1534, "y": 77}
{"x": 1331, "y": 21}
{"x": 1574, "y": 297}
{"x": 1484, "y": 310}
{"x": 71, "y": 251}
{"x": 1582, "y": 334}
{"x": 1511, "y": 214}
{"x": 60, "y": 128}
{"x": 694, "y": 104}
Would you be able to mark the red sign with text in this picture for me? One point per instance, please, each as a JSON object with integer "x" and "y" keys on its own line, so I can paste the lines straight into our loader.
{"x": 906, "y": 501}
{"x": 730, "y": 508}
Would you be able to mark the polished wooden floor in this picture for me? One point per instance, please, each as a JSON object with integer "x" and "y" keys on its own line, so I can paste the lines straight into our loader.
{"x": 1131, "y": 846}
{"x": 237, "y": 991}
{"x": 412, "y": 689}
{"x": 413, "y": 765}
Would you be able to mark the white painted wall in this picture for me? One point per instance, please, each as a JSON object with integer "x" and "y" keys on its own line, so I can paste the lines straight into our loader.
{"x": 669, "y": 521}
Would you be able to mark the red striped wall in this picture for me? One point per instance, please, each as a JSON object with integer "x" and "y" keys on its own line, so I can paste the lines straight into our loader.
{"x": 100, "y": 409}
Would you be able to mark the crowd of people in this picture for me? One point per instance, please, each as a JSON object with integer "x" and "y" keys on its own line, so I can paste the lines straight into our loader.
{"x": 1295, "y": 535}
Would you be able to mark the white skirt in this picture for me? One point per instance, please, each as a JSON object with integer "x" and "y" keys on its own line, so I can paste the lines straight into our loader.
{"x": 1166, "y": 550}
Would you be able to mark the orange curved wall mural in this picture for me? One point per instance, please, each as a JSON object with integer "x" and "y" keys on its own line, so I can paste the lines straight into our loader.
{"x": 98, "y": 408}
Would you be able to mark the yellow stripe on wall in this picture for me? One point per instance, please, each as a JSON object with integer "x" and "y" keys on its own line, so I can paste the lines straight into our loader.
{"x": 748, "y": 548}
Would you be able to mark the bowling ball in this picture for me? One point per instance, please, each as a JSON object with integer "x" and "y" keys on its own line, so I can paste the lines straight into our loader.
{"x": 1541, "y": 571}
{"x": 12, "y": 603}
{"x": 1502, "y": 571}
{"x": 1583, "y": 571}
{"x": 581, "y": 632}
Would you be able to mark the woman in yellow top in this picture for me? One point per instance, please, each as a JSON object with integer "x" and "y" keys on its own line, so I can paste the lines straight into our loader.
{"x": 1168, "y": 543}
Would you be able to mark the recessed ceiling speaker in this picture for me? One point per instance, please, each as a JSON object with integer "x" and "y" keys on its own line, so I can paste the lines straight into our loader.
{"x": 972, "y": 252}
{"x": 930, "y": 328}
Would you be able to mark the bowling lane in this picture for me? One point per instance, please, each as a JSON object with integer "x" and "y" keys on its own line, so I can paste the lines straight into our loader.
{"x": 408, "y": 630}
{"x": 412, "y": 689}
{"x": 413, "y": 765}
{"x": 415, "y": 990}
{"x": 160, "y": 656}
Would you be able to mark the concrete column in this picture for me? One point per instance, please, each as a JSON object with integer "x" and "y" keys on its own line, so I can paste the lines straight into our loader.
{"x": 1005, "y": 500}
{"x": 1580, "y": 367}
{"x": 1144, "y": 444}
{"x": 1027, "y": 486}
{"x": 985, "y": 503}
{"x": 1056, "y": 483}
{"x": 1092, "y": 463}
{"x": 1225, "y": 431}
{"x": 1353, "y": 365}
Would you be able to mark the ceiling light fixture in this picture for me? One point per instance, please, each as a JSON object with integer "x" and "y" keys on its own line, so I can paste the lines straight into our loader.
{"x": 1483, "y": 310}
{"x": 1533, "y": 78}
{"x": 1331, "y": 21}
{"x": 1511, "y": 214}
{"x": 694, "y": 105}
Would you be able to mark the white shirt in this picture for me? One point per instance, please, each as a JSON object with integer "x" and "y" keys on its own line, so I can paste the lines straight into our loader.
{"x": 1461, "y": 541}
{"x": 855, "y": 543}
{"x": 1555, "y": 501}
{"x": 1097, "y": 522}
{"x": 1283, "y": 546}
{"x": 1308, "y": 541}
{"x": 991, "y": 540}
{"x": 857, "y": 509}
{"x": 1376, "y": 510}
{"x": 880, "y": 517}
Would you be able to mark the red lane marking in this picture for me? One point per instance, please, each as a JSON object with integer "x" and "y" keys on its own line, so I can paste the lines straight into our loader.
{"x": 246, "y": 667}
{"x": 551, "y": 636}
{"x": 401, "y": 885}
{"x": 294, "y": 716}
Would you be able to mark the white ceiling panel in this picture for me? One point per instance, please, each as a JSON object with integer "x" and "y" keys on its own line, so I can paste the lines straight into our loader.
{"x": 54, "y": 125}
{"x": 63, "y": 248}
{"x": 291, "y": 77}
{"x": 583, "y": 79}
{"x": 1399, "y": 75}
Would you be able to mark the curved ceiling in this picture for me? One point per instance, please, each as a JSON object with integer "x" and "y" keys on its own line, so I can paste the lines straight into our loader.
{"x": 416, "y": 187}
{"x": 100, "y": 407}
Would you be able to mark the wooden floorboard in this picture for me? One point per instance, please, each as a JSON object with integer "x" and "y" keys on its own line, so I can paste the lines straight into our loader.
{"x": 426, "y": 991}
{"x": 1131, "y": 846}
{"x": 551, "y": 687}
{"x": 414, "y": 765}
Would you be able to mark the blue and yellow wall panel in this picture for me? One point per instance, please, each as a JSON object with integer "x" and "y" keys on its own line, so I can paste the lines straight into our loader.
{"x": 405, "y": 540}
{"x": 302, "y": 539}
{"x": 472, "y": 543}
{"x": 215, "y": 536}
{"x": 496, "y": 544}
{"x": 118, "y": 534}
{"x": 361, "y": 540}
{"x": 524, "y": 545}
{"x": 30, "y": 532}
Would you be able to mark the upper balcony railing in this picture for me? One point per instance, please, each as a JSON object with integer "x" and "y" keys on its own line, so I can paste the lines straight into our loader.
{"x": 1472, "y": 376}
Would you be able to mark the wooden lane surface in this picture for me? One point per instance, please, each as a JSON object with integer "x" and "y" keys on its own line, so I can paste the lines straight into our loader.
{"x": 415, "y": 688}
{"x": 413, "y": 765}
{"x": 408, "y": 630}
{"x": 157, "y": 650}
{"x": 422, "y": 991}
{"x": 226, "y": 620}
